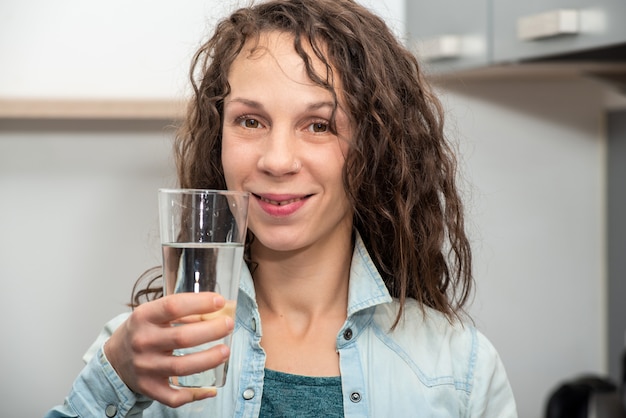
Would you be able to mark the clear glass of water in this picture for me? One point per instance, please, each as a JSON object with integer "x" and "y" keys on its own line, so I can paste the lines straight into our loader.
{"x": 203, "y": 234}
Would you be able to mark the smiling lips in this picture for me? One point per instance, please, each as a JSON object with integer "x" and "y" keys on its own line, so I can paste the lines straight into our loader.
{"x": 280, "y": 202}
{"x": 281, "y": 205}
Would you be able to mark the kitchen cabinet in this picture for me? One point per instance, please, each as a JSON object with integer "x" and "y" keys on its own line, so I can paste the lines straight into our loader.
{"x": 534, "y": 29}
{"x": 449, "y": 34}
{"x": 457, "y": 35}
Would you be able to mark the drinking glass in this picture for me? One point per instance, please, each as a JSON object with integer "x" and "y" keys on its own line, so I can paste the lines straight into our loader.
{"x": 202, "y": 239}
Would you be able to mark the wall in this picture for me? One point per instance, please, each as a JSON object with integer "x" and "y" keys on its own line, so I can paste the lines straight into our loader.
{"x": 533, "y": 155}
{"x": 84, "y": 194}
{"x": 78, "y": 222}
{"x": 117, "y": 48}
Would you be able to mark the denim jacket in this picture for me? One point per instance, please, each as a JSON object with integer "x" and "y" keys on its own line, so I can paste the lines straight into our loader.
{"x": 424, "y": 367}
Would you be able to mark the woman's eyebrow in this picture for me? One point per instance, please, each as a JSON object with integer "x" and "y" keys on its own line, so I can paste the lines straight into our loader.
{"x": 319, "y": 105}
{"x": 247, "y": 102}
{"x": 258, "y": 105}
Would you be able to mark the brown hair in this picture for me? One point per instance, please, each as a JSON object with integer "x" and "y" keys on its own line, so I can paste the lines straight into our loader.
{"x": 400, "y": 171}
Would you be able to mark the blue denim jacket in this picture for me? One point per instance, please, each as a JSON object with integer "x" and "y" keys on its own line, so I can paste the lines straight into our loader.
{"x": 425, "y": 367}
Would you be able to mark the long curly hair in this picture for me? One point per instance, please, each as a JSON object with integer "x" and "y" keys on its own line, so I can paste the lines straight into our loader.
{"x": 400, "y": 171}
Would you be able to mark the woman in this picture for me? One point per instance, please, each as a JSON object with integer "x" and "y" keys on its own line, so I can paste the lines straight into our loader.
{"x": 358, "y": 263}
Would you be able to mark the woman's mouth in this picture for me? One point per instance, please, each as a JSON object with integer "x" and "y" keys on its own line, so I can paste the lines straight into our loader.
{"x": 280, "y": 202}
{"x": 280, "y": 206}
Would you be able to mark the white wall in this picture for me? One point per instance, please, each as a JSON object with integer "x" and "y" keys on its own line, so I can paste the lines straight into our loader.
{"x": 112, "y": 49}
{"x": 78, "y": 210}
{"x": 91, "y": 48}
{"x": 78, "y": 221}
{"x": 533, "y": 157}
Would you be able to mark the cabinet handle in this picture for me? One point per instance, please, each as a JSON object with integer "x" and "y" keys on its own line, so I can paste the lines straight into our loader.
{"x": 440, "y": 48}
{"x": 548, "y": 24}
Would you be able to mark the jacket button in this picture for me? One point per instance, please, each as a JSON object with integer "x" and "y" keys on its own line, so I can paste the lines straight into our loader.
{"x": 347, "y": 334}
{"x": 355, "y": 397}
{"x": 253, "y": 325}
{"x": 110, "y": 411}
{"x": 248, "y": 394}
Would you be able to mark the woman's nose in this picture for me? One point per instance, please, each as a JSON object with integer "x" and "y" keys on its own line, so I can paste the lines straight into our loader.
{"x": 279, "y": 154}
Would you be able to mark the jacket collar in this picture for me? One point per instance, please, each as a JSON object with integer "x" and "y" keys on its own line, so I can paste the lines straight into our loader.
{"x": 366, "y": 287}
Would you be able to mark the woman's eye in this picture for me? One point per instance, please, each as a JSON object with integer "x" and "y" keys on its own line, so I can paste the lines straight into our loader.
{"x": 250, "y": 123}
{"x": 319, "y": 127}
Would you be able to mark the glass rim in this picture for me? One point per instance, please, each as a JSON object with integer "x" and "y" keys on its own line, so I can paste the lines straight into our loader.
{"x": 203, "y": 191}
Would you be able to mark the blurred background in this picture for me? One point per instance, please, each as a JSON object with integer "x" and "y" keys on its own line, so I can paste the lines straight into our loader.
{"x": 90, "y": 92}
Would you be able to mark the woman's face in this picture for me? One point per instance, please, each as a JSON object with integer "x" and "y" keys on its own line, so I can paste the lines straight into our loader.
{"x": 277, "y": 145}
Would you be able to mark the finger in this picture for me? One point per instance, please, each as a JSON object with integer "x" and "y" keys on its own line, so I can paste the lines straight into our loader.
{"x": 228, "y": 309}
{"x": 193, "y": 334}
{"x": 172, "y": 307}
{"x": 175, "y": 397}
{"x": 157, "y": 369}
{"x": 193, "y": 363}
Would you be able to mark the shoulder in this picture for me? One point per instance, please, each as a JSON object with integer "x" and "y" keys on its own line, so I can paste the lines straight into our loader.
{"x": 444, "y": 357}
{"x": 424, "y": 324}
{"x": 436, "y": 345}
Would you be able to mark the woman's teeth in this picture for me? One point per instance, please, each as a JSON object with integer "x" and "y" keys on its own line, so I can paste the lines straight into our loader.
{"x": 282, "y": 202}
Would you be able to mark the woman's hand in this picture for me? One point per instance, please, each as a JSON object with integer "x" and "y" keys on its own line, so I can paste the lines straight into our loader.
{"x": 140, "y": 350}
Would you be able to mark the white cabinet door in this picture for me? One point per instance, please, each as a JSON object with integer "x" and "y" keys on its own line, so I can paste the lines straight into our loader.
{"x": 448, "y": 35}
{"x": 532, "y": 29}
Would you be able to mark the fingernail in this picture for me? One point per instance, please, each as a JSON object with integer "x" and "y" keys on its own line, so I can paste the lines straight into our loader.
{"x": 225, "y": 351}
{"x": 200, "y": 394}
{"x": 230, "y": 324}
{"x": 219, "y": 301}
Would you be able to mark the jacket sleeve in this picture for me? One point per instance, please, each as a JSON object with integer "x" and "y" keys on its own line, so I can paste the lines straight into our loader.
{"x": 98, "y": 390}
{"x": 491, "y": 394}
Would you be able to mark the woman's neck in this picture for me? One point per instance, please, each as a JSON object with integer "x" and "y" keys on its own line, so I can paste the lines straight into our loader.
{"x": 303, "y": 298}
{"x": 311, "y": 281}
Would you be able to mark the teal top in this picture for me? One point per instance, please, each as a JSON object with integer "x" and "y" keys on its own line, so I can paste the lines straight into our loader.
{"x": 290, "y": 395}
